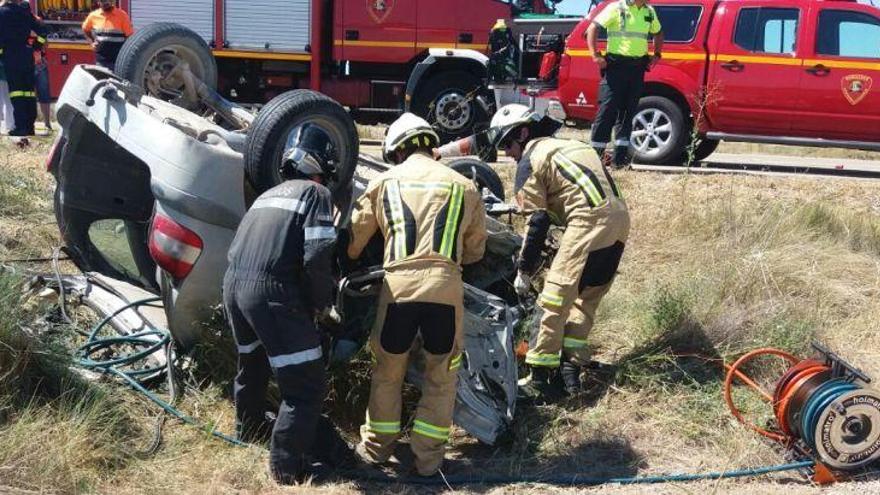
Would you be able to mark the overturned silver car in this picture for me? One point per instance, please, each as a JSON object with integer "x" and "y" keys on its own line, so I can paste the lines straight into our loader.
{"x": 151, "y": 193}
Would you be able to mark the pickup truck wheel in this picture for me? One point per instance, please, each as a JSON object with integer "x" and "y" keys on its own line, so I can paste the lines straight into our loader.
{"x": 276, "y": 123}
{"x": 660, "y": 131}
{"x": 705, "y": 147}
{"x": 149, "y": 58}
{"x": 448, "y": 102}
{"x": 481, "y": 173}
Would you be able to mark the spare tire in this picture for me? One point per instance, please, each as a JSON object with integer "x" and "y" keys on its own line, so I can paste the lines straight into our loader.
{"x": 268, "y": 135}
{"x": 481, "y": 173}
{"x": 149, "y": 55}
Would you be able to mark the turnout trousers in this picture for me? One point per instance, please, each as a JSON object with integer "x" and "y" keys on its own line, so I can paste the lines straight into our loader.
{"x": 19, "y": 66}
{"x": 581, "y": 274}
{"x": 619, "y": 94}
{"x": 420, "y": 312}
{"x": 275, "y": 339}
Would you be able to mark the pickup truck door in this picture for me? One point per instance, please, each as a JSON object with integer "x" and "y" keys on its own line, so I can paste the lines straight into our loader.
{"x": 377, "y": 30}
{"x": 840, "y": 83}
{"x": 755, "y": 69}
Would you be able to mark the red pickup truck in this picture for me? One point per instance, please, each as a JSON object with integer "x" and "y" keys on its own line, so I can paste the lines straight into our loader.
{"x": 803, "y": 72}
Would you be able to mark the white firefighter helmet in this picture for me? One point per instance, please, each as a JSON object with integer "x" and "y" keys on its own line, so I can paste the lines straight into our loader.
{"x": 409, "y": 131}
{"x": 508, "y": 118}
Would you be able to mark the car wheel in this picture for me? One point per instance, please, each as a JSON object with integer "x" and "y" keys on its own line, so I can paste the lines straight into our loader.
{"x": 448, "y": 102}
{"x": 481, "y": 173}
{"x": 271, "y": 132}
{"x": 660, "y": 131}
{"x": 148, "y": 58}
{"x": 704, "y": 148}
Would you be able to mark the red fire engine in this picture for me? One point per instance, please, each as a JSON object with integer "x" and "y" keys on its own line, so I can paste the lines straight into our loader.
{"x": 359, "y": 52}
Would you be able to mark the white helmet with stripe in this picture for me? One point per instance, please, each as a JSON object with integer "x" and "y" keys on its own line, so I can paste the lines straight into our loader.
{"x": 508, "y": 118}
{"x": 409, "y": 131}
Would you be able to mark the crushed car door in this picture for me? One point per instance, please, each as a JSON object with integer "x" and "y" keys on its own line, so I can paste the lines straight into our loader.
{"x": 103, "y": 203}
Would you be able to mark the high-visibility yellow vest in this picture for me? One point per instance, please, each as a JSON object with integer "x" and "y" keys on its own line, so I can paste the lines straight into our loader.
{"x": 629, "y": 28}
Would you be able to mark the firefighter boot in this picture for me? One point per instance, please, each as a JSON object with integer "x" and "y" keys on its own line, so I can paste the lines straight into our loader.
{"x": 570, "y": 374}
{"x": 540, "y": 387}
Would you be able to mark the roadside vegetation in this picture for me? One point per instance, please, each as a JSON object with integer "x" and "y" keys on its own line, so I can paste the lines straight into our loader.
{"x": 716, "y": 265}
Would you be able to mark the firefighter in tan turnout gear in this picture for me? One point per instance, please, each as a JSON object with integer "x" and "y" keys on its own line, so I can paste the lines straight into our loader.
{"x": 432, "y": 220}
{"x": 562, "y": 182}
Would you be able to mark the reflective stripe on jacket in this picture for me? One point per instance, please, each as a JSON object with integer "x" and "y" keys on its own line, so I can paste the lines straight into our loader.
{"x": 425, "y": 211}
{"x": 288, "y": 235}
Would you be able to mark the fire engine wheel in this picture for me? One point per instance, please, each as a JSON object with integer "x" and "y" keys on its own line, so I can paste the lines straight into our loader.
{"x": 481, "y": 173}
{"x": 150, "y": 56}
{"x": 269, "y": 137}
{"x": 449, "y": 102}
{"x": 660, "y": 131}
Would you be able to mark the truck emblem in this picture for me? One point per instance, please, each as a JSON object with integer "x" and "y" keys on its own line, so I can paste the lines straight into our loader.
{"x": 379, "y": 9}
{"x": 856, "y": 87}
{"x": 581, "y": 100}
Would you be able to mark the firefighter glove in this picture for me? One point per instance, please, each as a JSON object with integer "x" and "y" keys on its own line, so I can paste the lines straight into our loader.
{"x": 522, "y": 284}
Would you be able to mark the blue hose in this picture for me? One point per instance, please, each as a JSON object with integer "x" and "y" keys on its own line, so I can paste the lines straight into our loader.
{"x": 818, "y": 402}
{"x": 154, "y": 339}
{"x": 580, "y": 480}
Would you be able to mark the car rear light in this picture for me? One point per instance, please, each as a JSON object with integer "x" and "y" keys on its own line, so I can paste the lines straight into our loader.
{"x": 174, "y": 247}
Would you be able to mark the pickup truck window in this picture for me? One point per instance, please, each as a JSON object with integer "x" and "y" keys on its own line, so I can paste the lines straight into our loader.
{"x": 767, "y": 30}
{"x": 848, "y": 34}
{"x": 679, "y": 22}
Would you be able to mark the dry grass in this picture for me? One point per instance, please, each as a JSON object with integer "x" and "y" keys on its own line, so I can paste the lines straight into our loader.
{"x": 716, "y": 265}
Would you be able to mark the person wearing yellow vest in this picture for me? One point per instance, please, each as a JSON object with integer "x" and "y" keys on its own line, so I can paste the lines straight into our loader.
{"x": 630, "y": 24}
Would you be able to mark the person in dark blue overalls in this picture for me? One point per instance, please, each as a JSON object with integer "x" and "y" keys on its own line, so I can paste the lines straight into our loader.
{"x": 279, "y": 279}
{"x": 16, "y": 24}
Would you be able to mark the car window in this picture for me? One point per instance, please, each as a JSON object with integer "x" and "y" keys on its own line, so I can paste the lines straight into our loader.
{"x": 848, "y": 34}
{"x": 767, "y": 30}
{"x": 679, "y": 22}
{"x": 111, "y": 239}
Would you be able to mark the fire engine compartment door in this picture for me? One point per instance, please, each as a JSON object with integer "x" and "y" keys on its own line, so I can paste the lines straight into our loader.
{"x": 268, "y": 24}
{"x": 382, "y": 31}
{"x": 197, "y": 15}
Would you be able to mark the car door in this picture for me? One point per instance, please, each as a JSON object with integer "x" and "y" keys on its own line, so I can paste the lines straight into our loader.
{"x": 755, "y": 69}
{"x": 103, "y": 204}
{"x": 378, "y": 30}
{"x": 841, "y": 77}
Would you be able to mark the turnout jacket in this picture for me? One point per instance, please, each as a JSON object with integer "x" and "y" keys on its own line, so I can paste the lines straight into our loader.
{"x": 429, "y": 215}
{"x": 288, "y": 236}
{"x": 16, "y": 24}
{"x": 561, "y": 181}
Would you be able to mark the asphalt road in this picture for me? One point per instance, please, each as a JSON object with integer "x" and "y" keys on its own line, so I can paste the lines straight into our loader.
{"x": 756, "y": 164}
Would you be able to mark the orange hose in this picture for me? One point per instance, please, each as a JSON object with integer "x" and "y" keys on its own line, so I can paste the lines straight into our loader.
{"x": 790, "y": 390}
{"x": 733, "y": 372}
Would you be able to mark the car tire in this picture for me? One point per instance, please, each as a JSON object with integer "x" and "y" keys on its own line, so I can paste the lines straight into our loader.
{"x": 442, "y": 91}
{"x": 154, "y": 48}
{"x": 481, "y": 173}
{"x": 705, "y": 147}
{"x": 667, "y": 132}
{"x": 268, "y": 134}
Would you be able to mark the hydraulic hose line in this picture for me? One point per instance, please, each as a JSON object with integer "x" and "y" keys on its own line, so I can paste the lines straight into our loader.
{"x": 823, "y": 408}
{"x": 574, "y": 479}
{"x": 145, "y": 343}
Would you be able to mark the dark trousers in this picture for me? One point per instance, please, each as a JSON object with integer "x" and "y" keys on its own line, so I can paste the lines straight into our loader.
{"x": 19, "y": 65}
{"x": 619, "y": 94}
{"x": 274, "y": 338}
